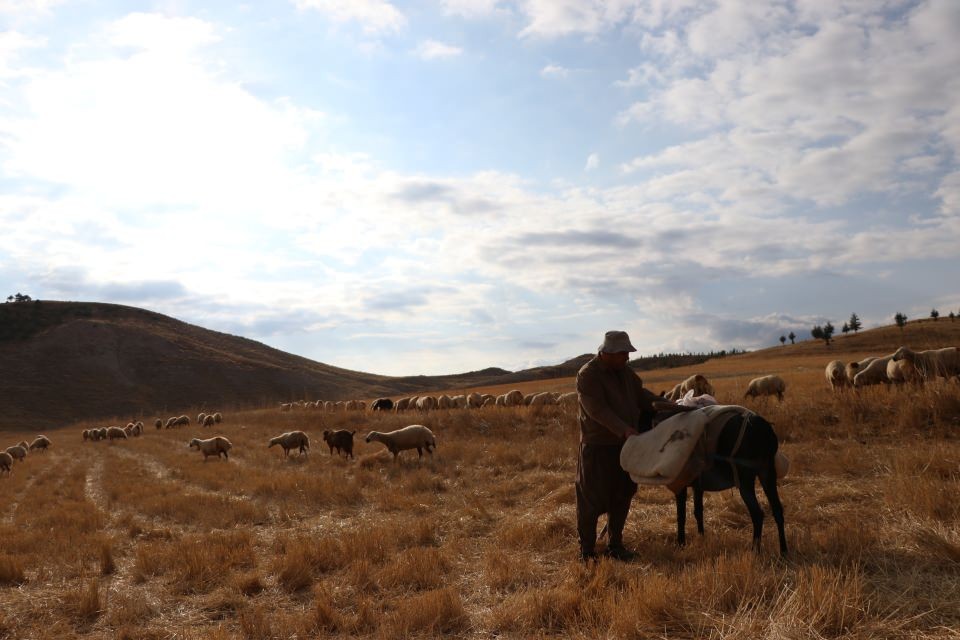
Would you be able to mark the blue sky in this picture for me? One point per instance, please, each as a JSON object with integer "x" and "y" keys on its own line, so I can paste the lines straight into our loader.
{"x": 445, "y": 185}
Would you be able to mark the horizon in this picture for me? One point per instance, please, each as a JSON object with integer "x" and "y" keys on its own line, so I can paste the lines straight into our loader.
{"x": 454, "y": 185}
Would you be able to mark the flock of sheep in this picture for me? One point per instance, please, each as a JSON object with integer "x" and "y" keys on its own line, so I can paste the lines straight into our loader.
{"x": 514, "y": 398}
{"x": 19, "y": 451}
{"x": 697, "y": 385}
{"x": 903, "y": 366}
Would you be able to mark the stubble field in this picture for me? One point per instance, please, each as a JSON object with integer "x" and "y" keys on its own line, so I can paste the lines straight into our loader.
{"x": 142, "y": 539}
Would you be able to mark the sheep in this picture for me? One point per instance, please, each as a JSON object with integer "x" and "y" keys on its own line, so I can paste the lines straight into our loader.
{"x": 766, "y": 386}
{"x": 542, "y": 399}
{"x": 200, "y": 418}
{"x": 415, "y": 436}
{"x": 513, "y": 398}
{"x": 339, "y": 405}
{"x": 851, "y": 370}
{"x": 444, "y": 402}
{"x": 23, "y": 443}
{"x": 6, "y": 462}
{"x": 501, "y": 400}
{"x": 474, "y": 400}
{"x": 158, "y": 424}
{"x": 527, "y": 399}
{"x": 698, "y": 383}
{"x": 836, "y": 374}
{"x": 489, "y": 402}
{"x": 426, "y": 403}
{"x": 875, "y": 372}
{"x": 137, "y": 430}
{"x": 183, "y": 421}
{"x": 170, "y": 423}
{"x": 487, "y": 395}
{"x": 116, "y": 433}
{"x": 361, "y": 405}
{"x": 128, "y": 430}
{"x": 40, "y": 442}
{"x": 212, "y": 447}
{"x": 458, "y": 402}
{"x": 933, "y": 362}
{"x": 329, "y": 406}
{"x": 350, "y": 405}
{"x": 285, "y": 406}
{"x": 568, "y": 399}
{"x": 674, "y": 394}
{"x": 218, "y": 418}
{"x": 102, "y": 433}
{"x": 208, "y": 421}
{"x": 341, "y": 440}
{"x": 86, "y": 434}
{"x": 382, "y": 404}
{"x": 903, "y": 371}
{"x": 17, "y": 452}
{"x": 291, "y": 440}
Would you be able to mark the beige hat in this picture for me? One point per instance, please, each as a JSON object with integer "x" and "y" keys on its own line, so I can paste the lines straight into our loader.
{"x": 616, "y": 342}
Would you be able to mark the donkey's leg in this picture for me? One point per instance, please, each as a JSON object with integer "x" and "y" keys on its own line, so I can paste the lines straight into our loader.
{"x": 681, "y": 517}
{"x": 768, "y": 480}
{"x": 698, "y": 505}
{"x": 748, "y": 493}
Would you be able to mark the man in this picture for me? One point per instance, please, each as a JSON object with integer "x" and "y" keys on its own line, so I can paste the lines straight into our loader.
{"x": 614, "y": 405}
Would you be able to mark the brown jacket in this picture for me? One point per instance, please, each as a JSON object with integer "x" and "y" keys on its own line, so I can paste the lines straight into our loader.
{"x": 611, "y": 400}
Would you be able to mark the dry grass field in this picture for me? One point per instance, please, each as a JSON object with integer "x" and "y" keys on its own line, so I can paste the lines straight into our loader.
{"x": 143, "y": 539}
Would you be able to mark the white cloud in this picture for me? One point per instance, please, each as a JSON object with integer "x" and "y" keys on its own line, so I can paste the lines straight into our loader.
{"x": 473, "y": 8}
{"x": 593, "y": 161}
{"x": 434, "y": 50}
{"x": 374, "y": 16}
{"x": 554, "y": 71}
{"x": 12, "y": 46}
{"x": 28, "y": 7}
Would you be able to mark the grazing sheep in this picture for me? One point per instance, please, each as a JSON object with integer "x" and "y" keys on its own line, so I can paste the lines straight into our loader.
{"x": 382, "y": 404}
{"x": 444, "y": 402}
{"x": 212, "y": 447}
{"x": 128, "y": 430}
{"x": 23, "y": 443}
{"x": 183, "y": 421}
{"x": 698, "y": 383}
{"x": 527, "y": 399}
{"x": 200, "y": 418}
{"x": 458, "y": 402}
{"x": 766, "y": 386}
{"x": 543, "y": 399}
{"x": 285, "y": 406}
{"x": 474, "y": 400}
{"x": 6, "y": 462}
{"x": 426, "y": 403}
{"x": 217, "y": 417}
{"x": 568, "y": 399}
{"x": 513, "y": 398}
{"x": 487, "y": 395}
{"x": 489, "y": 402}
{"x": 361, "y": 405}
{"x": 501, "y": 400}
{"x": 17, "y": 452}
{"x": 415, "y": 436}
{"x": 208, "y": 421}
{"x": 401, "y": 405}
{"x": 137, "y": 430}
{"x": 339, "y": 405}
{"x": 851, "y": 370}
{"x": 291, "y": 440}
{"x": 329, "y": 406}
{"x": 158, "y": 424}
{"x": 40, "y": 442}
{"x": 350, "y": 405}
{"x": 933, "y": 362}
{"x": 341, "y": 440}
{"x": 170, "y": 423}
{"x": 903, "y": 371}
{"x": 86, "y": 434}
{"x": 102, "y": 433}
{"x": 116, "y": 433}
{"x": 674, "y": 394}
{"x": 836, "y": 374}
{"x": 875, "y": 372}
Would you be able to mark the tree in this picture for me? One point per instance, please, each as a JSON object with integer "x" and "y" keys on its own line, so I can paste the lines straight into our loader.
{"x": 19, "y": 297}
{"x": 934, "y": 314}
{"x": 783, "y": 340}
{"x": 828, "y": 332}
{"x": 846, "y": 328}
{"x": 900, "y": 319}
{"x": 952, "y": 316}
{"x": 817, "y": 332}
{"x": 854, "y": 322}
{"x": 792, "y": 337}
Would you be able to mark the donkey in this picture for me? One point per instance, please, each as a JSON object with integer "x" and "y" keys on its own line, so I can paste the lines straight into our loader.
{"x": 745, "y": 451}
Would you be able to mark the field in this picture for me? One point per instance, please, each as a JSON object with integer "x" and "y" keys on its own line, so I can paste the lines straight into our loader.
{"x": 142, "y": 539}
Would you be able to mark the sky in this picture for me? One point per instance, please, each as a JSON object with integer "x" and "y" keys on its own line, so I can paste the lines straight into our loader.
{"x": 439, "y": 186}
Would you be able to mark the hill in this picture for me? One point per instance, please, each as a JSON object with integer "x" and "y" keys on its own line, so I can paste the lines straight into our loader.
{"x": 65, "y": 361}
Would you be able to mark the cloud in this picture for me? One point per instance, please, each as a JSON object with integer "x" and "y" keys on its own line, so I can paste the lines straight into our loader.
{"x": 554, "y": 71}
{"x": 593, "y": 161}
{"x": 434, "y": 50}
{"x": 28, "y": 7}
{"x": 375, "y": 17}
{"x": 473, "y": 8}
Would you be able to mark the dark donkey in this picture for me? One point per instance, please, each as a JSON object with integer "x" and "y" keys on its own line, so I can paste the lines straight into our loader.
{"x": 745, "y": 451}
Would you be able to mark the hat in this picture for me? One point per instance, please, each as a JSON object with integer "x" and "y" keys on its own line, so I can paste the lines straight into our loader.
{"x": 616, "y": 342}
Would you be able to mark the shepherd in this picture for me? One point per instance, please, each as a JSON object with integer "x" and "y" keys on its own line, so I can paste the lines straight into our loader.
{"x": 613, "y": 405}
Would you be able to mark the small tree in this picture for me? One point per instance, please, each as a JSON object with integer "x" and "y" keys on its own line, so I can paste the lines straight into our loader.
{"x": 901, "y": 320}
{"x": 817, "y": 332}
{"x": 783, "y": 340}
{"x": 952, "y": 316}
{"x": 855, "y": 324}
{"x": 828, "y": 332}
{"x": 792, "y": 337}
{"x": 934, "y": 314}
{"x": 19, "y": 297}
{"x": 845, "y": 328}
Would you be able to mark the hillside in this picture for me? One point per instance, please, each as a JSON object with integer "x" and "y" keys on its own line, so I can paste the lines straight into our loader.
{"x": 64, "y": 361}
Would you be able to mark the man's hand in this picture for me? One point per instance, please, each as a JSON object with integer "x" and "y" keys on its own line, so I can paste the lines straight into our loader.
{"x": 630, "y": 431}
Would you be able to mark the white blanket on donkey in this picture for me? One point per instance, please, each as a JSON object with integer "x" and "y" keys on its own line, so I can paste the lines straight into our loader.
{"x": 657, "y": 456}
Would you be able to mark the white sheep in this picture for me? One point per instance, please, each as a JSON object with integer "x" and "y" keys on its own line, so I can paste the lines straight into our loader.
{"x": 933, "y": 362}
{"x": 444, "y": 402}
{"x": 158, "y": 423}
{"x": 426, "y": 403}
{"x": 415, "y": 436}
{"x": 674, "y": 394}
{"x": 490, "y": 402}
{"x": 401, "y": 405}
{"x": 875, "y": 372}
{"x": 183, "y": 421}
{"x": 200, "y": 418}
{"x": 40, "y": 442}
{"x": 766, "y": 386}
{"x": 291, "y": 440}
{"x": 500, "y": 401}
{"x": 698, "y": 383}
{"x": 17, "y": 452}
{"x": 212, "y": 447}
{"x": 474, "y": 400}
{"x": 527, "y": 399}
{"x": 513, "y": 398}
{"x": 6, "y": 462}
{"x": 285, "y": 406}
{"x": 116, "y": 433}
{"x": 568, "y": 399}
{"x": 170, "y": 423}
{"x": 137, "y": 430}
{"x": 836, "y": 374}
{"x": 458, "y": 402}
{"x": 86, "y": 434}
{"x": 542, "y": 399}
{"x": 903, "y": 371}
{"x": 208, "y": 421}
